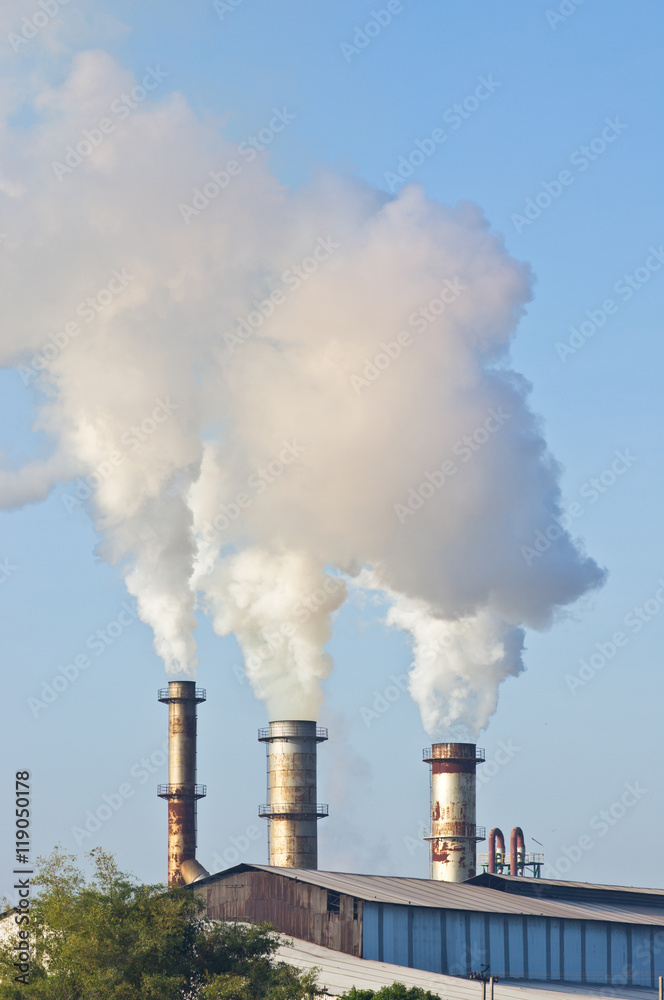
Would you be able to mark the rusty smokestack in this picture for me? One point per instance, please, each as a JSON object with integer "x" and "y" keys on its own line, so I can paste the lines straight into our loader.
{"x": 292, "y": 811}
{"x": 454, "y": 834}
{"x": 182, "y": 792}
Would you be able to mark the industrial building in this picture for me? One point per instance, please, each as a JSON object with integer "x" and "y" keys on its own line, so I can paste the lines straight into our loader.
{"x": 573, "y": 933}
{"x": 457, "y": 923}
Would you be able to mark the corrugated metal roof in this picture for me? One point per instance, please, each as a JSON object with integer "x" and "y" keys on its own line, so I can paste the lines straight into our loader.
{"x": 565, "y": 884}
{"x": 338, "y": 972}
{"x": 450, "y": 895}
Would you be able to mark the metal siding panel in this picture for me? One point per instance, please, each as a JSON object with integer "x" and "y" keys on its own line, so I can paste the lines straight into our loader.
{"x": 395, "y": 934}
{"x": 556, "y": 972}
{"x": 641, "y": 956}
{"x": 572, "y": 939}
{"x": 444, "y": 965}
{"x": 478, "y": 942}
{"x": 618, "y": 955}
{"x": 370, "y": 931}
{"x": 515, "y": 945}
{"x": 497, "y": 945}
{"x": 658, "y": 954}
{"x": 381, "y": 936}
{"x": 426, "y": 940}
{"x": 536, "y": 945}
{"x": 597, "y": 943}
{"x": 457, "y": 959}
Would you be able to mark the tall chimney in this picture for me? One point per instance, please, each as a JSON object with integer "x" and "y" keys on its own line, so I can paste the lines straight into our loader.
{"x": 182, "y": 792}
{"x": 454, "y": 834}
{"x": 292, "y": 811}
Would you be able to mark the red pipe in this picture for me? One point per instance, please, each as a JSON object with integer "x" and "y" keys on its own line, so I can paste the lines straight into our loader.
{"x": 517, "y": 851}
{"x": 496, "y": 834}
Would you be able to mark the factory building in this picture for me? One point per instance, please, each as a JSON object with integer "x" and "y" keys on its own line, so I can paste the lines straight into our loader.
{"x": 455, "y": 924}
{"x": 571, "y": 933}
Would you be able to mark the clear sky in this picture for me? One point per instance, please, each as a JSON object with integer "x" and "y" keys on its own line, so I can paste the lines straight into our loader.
{"x": 558, "y": 141}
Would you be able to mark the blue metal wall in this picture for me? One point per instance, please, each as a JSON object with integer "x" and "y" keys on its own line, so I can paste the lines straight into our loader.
{"x": 457, "y": 942}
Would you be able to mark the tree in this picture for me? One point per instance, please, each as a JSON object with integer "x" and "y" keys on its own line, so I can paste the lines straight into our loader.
{"x": 110, "y": 938}
{"x": 397, "y": 991}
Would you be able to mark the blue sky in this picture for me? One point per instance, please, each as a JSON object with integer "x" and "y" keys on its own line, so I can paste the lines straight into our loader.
{"x": 573, "y": 747}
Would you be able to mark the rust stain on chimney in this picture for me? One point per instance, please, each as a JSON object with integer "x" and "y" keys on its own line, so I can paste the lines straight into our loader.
{"x": 453, "y": 833}
{"x": 292, "y": 811}
{"x": 182, "y": 792}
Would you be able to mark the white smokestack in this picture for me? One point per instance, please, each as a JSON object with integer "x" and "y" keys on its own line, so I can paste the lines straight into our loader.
{"x": 274, "y": 388}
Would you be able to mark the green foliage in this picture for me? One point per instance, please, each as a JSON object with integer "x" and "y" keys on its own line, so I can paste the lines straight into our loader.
{"x": 397, "y": 991}
{"x": 112, "y": 939}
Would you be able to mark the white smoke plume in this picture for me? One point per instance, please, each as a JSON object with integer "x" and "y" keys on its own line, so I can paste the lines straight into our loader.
{"x": 457, "y": 665}
{"x": 261, "y": 390}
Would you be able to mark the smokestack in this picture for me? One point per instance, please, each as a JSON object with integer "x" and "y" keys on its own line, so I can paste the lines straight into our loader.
{"x": 454, "y": 834}
{"x": 182, "y": 792}
{"x": 292, "y": 811}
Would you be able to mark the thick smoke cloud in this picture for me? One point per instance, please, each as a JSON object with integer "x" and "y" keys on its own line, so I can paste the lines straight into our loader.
{"x": 263, "y": 393}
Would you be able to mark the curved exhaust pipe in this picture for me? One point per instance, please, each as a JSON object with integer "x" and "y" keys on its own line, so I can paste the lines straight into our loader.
{"x": 517, "y": 851}
{"x": 496, "y": 857}
{"x": 191, "y": 871}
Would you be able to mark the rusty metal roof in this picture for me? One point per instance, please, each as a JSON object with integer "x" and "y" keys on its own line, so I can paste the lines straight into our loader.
{"x": 451, "y": 895}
